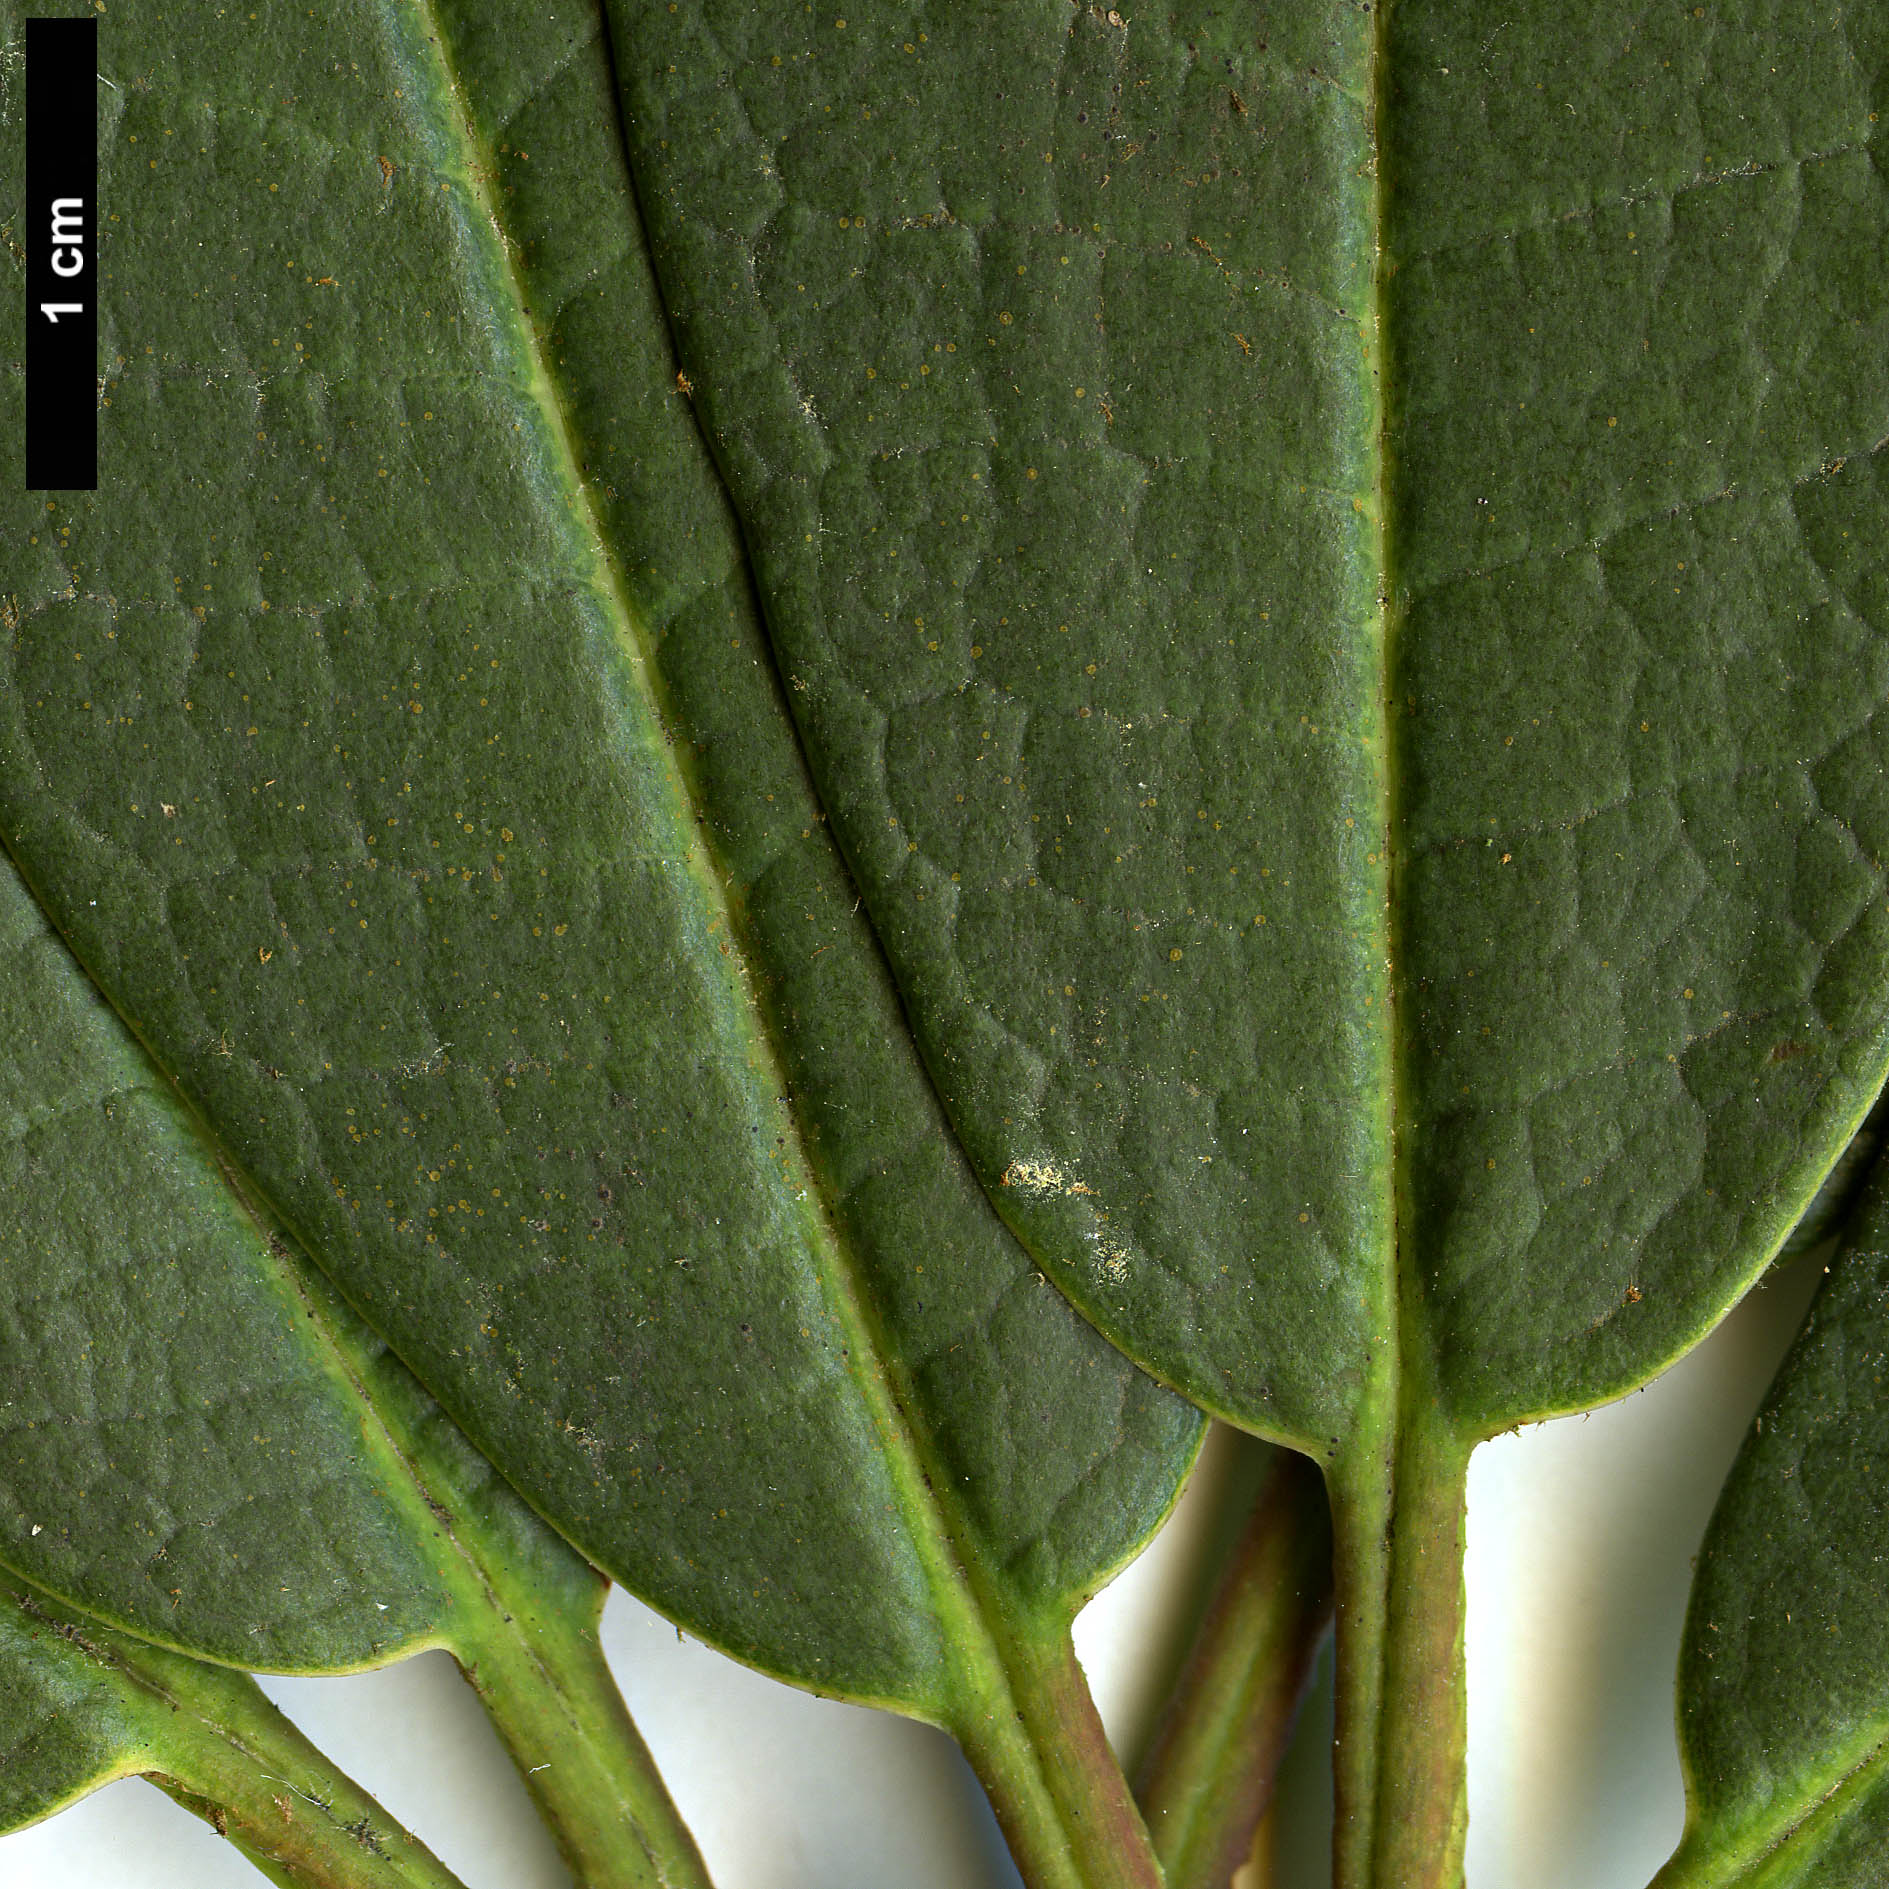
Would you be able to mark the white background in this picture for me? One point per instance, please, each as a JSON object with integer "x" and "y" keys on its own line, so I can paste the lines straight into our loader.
{"x": 1581, "y": 1537}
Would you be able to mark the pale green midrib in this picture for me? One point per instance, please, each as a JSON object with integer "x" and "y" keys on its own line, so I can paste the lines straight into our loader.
{"x": 1415, "y": 1390}
{"x": 943, "y": 1549}
{"x": 482, "y": 1573}
{"x": 400, "y": 1457}
{"x": 871, "y": 942}
{"x": 246, "y": 1199}
{"x": 1390, "y": 853}
{"x": 1811, "y": 1812}
{"x": 138, "y": 1668}
{"x": 1402, "y": 1398}
{"x": 1401, "y": 1306}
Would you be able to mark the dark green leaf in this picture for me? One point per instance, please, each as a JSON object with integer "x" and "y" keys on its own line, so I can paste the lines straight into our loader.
{"x": 207, "y": 1448}
{"x": 64, "y": 1731}
{"x": 81, "y": 1705}
{"x": 1053, "y": 415}
{"x": 1327, "y": 572}
{"x": 1784, "y": 1680}
{"x": 407, "y": 768}
{"x": 184, "y": 1452}
{"x": 1330, "y": 562}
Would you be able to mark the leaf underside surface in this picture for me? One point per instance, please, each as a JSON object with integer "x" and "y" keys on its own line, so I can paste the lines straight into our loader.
{"x": 206, "y": 1447}
{"x": 68, "y": 1722}
{"x": 1267, "y": 700}
{"x": 1231, "y": 657}
{"x": 427, "y": 807}
{"x": 182, "y": 1454}
{"x": 1783, "y": 1705}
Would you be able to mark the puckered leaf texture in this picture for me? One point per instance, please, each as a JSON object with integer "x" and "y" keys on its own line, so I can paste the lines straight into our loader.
{"x": 747, "y": 682}
{"x": 1784, "y": 1683}
{"x": 427, "y": 808}
{"x": 1265, "y": 701}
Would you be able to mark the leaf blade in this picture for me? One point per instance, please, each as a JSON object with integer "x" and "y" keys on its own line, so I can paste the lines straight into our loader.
{"x": 823, "y": 1586}
{"x": 83, "y": 1705}
{"x": 223, "y": 1462}
{"x": 1615, "y": 370}
{"x": 167, "y": 1396}
{"x": 981, "y": 441}
{"x": 1503, "y": 1207}
{"x": 1783, "y": 1694}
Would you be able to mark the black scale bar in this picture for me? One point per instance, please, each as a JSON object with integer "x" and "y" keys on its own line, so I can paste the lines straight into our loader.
{"x": 62, "y": 255}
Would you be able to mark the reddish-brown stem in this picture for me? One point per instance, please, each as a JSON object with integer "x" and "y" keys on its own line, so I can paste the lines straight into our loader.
{"x": 1208, "y": 1778}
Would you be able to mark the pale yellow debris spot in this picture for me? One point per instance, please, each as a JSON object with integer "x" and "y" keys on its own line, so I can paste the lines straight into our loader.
{"x": 1042, "y": 1177}
{"x": 1111, "y": 1259}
